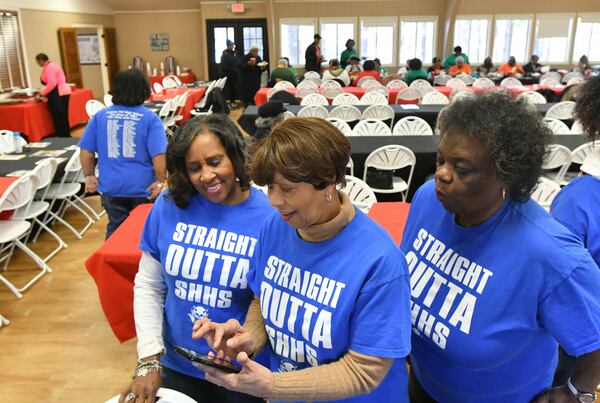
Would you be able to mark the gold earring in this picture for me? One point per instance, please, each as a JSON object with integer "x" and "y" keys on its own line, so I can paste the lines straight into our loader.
{"x": 328, "y": 198}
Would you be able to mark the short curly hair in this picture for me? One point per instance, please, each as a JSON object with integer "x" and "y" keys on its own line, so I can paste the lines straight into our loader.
{"x": 513, "y": 133}
{"x": 587, "y": 109}
{"x": 180, "y": 187}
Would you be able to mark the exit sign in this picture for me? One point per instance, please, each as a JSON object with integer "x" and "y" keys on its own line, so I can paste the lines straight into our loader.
{"x": 237, "y": 8}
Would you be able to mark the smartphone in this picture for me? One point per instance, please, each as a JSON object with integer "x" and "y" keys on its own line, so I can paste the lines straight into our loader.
{"x": 208, "y": 361}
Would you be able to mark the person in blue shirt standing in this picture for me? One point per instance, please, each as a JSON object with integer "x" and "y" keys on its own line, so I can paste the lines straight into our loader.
{"x": 496, "y": 282}
{"x": 130, "y": 142}
{"x": 576, "y": 205}
{"x": 332, "y": 287}
{"x": 197, "y": 244}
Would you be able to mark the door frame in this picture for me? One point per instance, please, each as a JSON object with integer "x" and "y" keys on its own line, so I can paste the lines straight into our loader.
{"x": 103, "y": 58}
{"x": 238, "y": 38}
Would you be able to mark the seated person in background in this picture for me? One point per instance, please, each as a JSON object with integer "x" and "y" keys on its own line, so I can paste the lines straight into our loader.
{"x": 382, "y": 72}
{"x": 354, "y": 67}
{"x": 583, "y": 66}
{"x": 459, "y": 68}
{"x": 282, "y": 73}
{"x": 292, "y": 68}
{"x": 486, "y": 68}
{"x": 131, "y": 143}
{"x": 347, "y": 53}
{"x": 450, "y": 60}
{"x": 415, "y": 71}
{"x": 335, "y": 72}
{"x": 436, "y": 67}
{"x": 533, "y": 66}
{"x": 368, "y": 70}
{"x": 269, "y": 114}
{"x": 511, "y": 68}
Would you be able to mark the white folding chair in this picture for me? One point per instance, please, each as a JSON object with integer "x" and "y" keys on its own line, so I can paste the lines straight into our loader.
{"x": 442, "y": 80}
{"x": 408, "y": 95}
{"x": 169, "y": 82}
{"x": 571, "y": 75}
{"x": 396, "y": 84}
{"x": 307, "y": 83}
{"x": 314, "y": 99}
{"x": 314, "y": 111}
{"x": 18, "y": 197}
{"x": 347, "y": 113}
{"x": 359, "y": 193}
{"x": 457, "y": 94}
{"x": 561, "y": 111}
{"x": 466, "y": 78}
{"x": 380, "y": 112}
{"x": 341, "y": 126}
{"x": 164, "y": 395}
{"x": 284, "y": 85}
{"x": 7, "y": 142}
{"x": 345, "y": 98}
{"x": 579, "y": 154}
{"x": 575, "y": 80}
{"x": 533, "y": 97}
{"x": 92, "y": 107}
{"x": 263, "y": 189}
{"x": 164, "y": 113}
{"x": 412, "y": 126}
{"x": 108, "y": 100}
{"x": 4, "y": 321}
{"x": 371, "y": 127}
{"x": 420, "y": 83}
{"x": 350, "y": 166}
{"x": 391, "y": 158}
{"x": 364, "y": 79}
{"x": 312, "y": 74}
{"x": 180, "y": 107}
{"x": 303, "y": 91}
{"x": 549, "y": 82}
{"x": 435, "y": 98}
{"x": 378, "y": 89}
{"x": 366, "y": 84}
{"x": 577, "y": 128}
{"x": 204, "y": 100}
{"x": 509, "y": 82}
{"x": 374, "y": 98}
{"x": 551, "y": 74}
{"x": 483, "y": 82}
{"x": 288, "y": 114}
{"x": 178, "y": 81}
{"x": 332, "y": 92}
{"x": 456, "y": 84}
{"x": 560, "y": 158}
{"x": 158, "y": 88}
{"x": 544, "y": 192}
{"x": 65, "y": 194}
{"x": 330, "y": 83}
{"x": 557, "y": 126}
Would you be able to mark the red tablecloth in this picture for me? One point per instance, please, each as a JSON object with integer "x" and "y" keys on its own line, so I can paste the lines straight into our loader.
{"x": 113, "y": 268}
{"x": 33, "y": 119}
{"x": 5, "y": 182}
{"x": 185, "y": 79}
{"x": 261, "y": 96}
{"x": 114, "y": 265}
{"x": 194, "y": 96}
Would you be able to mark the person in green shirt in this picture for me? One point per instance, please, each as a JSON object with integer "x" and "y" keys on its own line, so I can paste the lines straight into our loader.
{"x": 450, "y": 60}
{"x": 282, "y": 73}
{"x": 415, "y": 71}
{"x": 291, "y": 67}
{"x": 348, "y": 53}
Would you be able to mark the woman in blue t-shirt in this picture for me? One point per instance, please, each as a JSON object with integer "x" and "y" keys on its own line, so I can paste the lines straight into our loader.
{"x": 496, "y": 283}
{"x": 576, "y": 205}
{"x": 197, "y": 244}
{"x": 332, "y": 288}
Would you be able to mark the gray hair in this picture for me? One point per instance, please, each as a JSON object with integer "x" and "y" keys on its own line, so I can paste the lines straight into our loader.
{"x": 460, "y": 59}
{"x": 283, "y": 61}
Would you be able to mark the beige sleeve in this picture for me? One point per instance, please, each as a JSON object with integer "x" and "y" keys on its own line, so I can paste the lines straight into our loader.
{"x": 351, "y": 375}
{"x": 255, "y": 325}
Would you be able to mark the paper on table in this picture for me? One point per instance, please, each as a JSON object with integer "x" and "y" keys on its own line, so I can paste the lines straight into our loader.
{"x": 11, "y": 157}
{"x": 58, "y": 160}
{"x": 41, "y": 144}
{"x": 71, "y": 147}
{"x": 48, "y": 153}
{"x": 409, "y": 106}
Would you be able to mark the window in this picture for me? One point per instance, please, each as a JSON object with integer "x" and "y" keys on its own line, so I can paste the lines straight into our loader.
{"x": 222, "y": 34}
{"x": 553, "y": 37}
{"x": 417, "y": 38}
{"x": 378, "y": 39}
{"x": 511, "y": 38}
{"x": 335, "y": 33}
{"x": 12, "y": 72}
{"x": 253, "y": 36}
{"x": 295, "y": 37}
{"x": 587, "y": 37}
{"x": 472, "y": 35}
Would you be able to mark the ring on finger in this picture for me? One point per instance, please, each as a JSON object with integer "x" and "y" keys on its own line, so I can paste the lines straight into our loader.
{"x": 130, "y": 396}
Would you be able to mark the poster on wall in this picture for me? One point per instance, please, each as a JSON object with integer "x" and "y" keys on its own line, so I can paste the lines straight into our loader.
{"x": 89, "y": 49}
{"x": 159, "y": 42}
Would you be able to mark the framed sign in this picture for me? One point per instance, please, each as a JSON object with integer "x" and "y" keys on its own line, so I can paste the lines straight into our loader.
{"x": 159, "y": 42}
{"x": 89, "y": 49}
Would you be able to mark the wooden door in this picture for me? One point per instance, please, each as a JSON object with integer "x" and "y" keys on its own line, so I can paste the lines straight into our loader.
{"x": 69, "y": 54}
{"x": 112, "y": 62}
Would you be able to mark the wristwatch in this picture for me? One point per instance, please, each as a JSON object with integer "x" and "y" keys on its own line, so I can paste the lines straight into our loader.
{"x": 581, "y": 397}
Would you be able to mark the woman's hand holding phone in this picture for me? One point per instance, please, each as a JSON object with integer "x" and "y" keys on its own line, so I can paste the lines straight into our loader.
{"x": 227, "y": 339}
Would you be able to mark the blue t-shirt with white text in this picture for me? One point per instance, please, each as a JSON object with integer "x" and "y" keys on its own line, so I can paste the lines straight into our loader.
{"x": 577, "y": 207}
{"x": 205, "y": 251}
{"x": 126, "y": 138}
{"x": 320, "y": 300}
{"x": 490, "y": 302}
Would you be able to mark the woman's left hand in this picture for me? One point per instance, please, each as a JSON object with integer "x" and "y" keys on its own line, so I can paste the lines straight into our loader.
{"x": 253, "y": 379}
{"x": 555, "y": 395}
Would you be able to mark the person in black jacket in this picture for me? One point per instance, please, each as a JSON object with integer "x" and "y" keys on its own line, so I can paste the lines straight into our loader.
{"x": 230, "y": 67}
{"x": 313, "y": 55}
{"x": 250, "y": 75}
